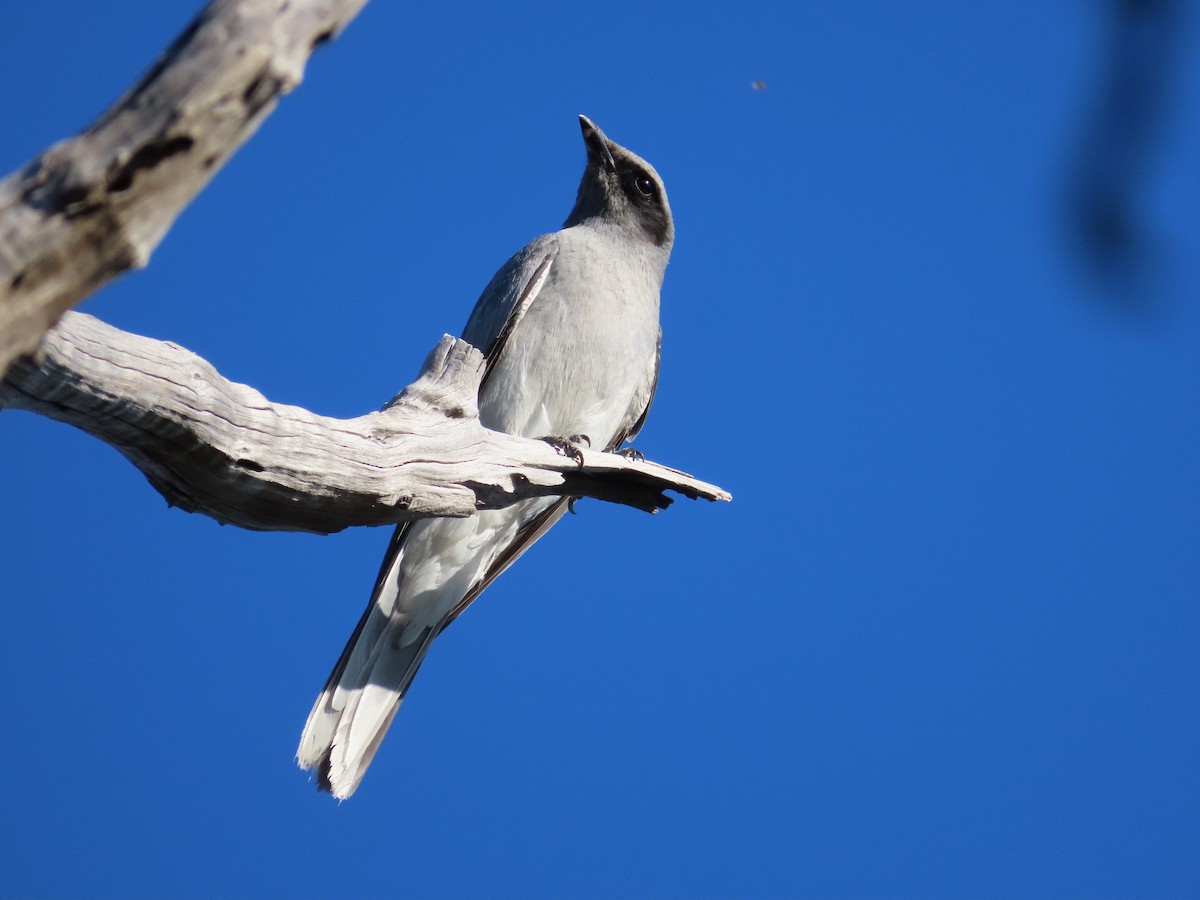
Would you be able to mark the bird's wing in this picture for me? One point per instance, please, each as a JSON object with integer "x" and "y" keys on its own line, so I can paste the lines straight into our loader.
{"x": 500, "y": 308}
{"x": 507, "y": 297}
{"x": 497, "y": 311}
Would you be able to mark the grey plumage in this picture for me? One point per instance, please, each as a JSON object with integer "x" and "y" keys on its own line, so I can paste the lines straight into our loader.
{"x": 569, "y": 327}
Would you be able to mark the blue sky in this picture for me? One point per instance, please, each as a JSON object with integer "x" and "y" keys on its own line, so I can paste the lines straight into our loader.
{"x": 942, "y": 643}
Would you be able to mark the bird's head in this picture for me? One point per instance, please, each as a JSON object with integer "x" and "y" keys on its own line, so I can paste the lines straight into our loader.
{"x": 621, "y": 189}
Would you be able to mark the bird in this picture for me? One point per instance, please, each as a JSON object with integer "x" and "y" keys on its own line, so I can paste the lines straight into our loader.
{"x": 569, "y": 329}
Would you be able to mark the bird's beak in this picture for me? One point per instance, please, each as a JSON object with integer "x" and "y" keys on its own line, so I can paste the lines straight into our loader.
{"x": 599, "y": 147}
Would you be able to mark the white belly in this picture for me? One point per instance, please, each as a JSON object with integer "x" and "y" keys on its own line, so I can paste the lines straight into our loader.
{"x": 580, "y": 356}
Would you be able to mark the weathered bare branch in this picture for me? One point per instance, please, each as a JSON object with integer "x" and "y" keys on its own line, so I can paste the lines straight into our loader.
{"x": 212, "y": 446}
{"x": 91, "y": 207}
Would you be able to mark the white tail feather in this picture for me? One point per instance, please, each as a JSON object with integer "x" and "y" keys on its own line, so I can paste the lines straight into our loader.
{"x": 433, "y": 566}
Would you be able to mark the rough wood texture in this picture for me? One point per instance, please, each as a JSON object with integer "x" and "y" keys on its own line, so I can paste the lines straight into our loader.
{"x": 96, "y": 205}
{"x": 212, "y": 446}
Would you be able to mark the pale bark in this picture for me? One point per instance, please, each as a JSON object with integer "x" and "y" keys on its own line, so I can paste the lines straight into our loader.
{"x": 212, "y": 446}
{"x": 96, "y": 205}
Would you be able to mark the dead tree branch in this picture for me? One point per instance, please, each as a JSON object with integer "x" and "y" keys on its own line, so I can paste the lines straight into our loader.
{"x": 211, "y": 446}
{"x": 91, "y": 207}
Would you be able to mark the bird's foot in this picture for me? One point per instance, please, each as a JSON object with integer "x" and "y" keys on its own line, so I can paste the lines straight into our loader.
{"x": 569, "y": 446}
{"x": 633, "y": 454}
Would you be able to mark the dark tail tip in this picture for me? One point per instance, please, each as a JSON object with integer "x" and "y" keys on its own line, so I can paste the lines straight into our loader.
{"x": 323, "y": 782}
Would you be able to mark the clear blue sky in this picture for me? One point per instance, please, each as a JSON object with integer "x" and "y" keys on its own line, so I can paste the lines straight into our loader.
{"x": 942, "y": 644}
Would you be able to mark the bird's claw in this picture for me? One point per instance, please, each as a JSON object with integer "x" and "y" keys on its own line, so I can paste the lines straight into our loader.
{"x": 633, "y": 454}
{"x": 569, "y": 446}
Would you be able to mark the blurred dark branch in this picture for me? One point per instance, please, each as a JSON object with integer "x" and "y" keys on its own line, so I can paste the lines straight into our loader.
{"x": 1115, "y": 149}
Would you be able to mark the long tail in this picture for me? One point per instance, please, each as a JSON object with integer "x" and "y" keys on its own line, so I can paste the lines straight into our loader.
{"x": 363, "y": 693}
{"x": 452, "y": 562}
{"x": 351, "y": 715}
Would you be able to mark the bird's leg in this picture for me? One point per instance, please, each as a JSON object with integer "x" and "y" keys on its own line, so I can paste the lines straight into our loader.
{"x": 569, "y": 446}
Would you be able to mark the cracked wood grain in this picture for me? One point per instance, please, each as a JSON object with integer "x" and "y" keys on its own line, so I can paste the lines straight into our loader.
{"x": 219, "y": 448}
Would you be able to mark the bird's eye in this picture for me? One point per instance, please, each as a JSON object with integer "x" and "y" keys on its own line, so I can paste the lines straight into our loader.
{"x": 644, "y": 185}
